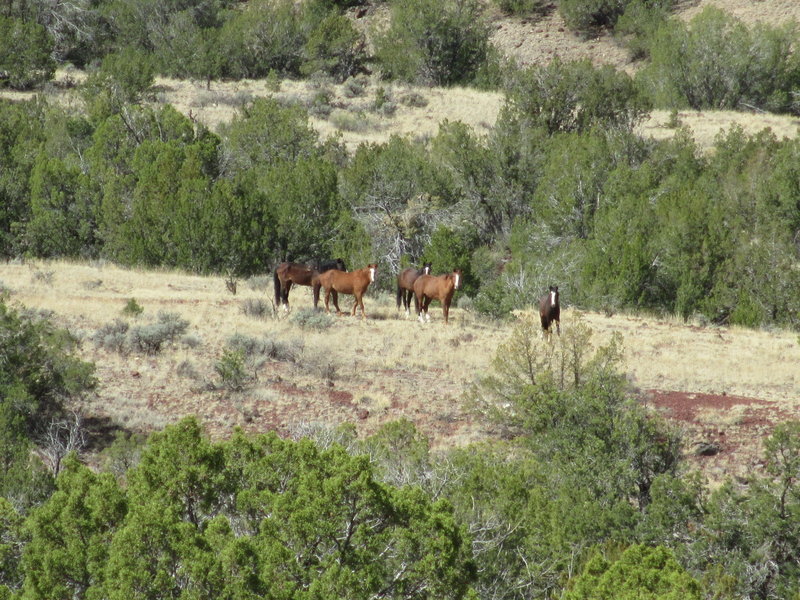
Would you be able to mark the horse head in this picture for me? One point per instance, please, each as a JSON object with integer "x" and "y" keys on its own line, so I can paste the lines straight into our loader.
{"x": 426, "y": 268}
{"x": 457, "y": 278}
{"x": 553, "y": 295}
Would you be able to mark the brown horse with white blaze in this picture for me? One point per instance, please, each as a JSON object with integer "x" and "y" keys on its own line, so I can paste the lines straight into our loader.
{"x": 405, "y": 285}
{"x": 355, "y": 283}
{"x": 440, "y": 287}
{"x": 550, "y": 310}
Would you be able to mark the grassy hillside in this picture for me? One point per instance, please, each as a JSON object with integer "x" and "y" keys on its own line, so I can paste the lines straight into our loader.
{"x": 733, "y": 383}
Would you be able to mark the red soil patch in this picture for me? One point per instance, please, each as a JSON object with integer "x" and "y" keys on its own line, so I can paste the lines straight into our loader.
{"x": 734, "y": 441}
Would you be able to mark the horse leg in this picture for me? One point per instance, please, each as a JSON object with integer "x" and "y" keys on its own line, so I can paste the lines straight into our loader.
{"x": 316, "y": 287}
{"x": 446, "y": 310}
{"x": 276, "y": 282}
{"x": 359, "y": 302}
{"x": 327, "y": 298}
{"x": 285, "y": 293}
{"x": 336, "y": 301}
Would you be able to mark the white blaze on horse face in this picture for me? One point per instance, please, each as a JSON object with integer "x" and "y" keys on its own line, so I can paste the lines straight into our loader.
{"x": 458, "y": 280}
{"x": 552, "y": 298}
{"x": 372, "y": 274}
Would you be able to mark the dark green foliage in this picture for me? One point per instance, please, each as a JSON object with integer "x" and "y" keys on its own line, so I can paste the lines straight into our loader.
{"x": 25, "y": 49}
{"x": 639, "y": 573}
{"x": 715, "y": 61}
{"x": 21, "y": 133}
{"x": 523, "y": 7}
{"x": 570, "y": 403}
{"x": 289, "y": 38}
{"x": 132, "y": 308}
{"x": 573, "y": 96}
{"x": 69, "y": 534}
{"x": 433, "y": 42}
{"x": 335, "y": 48}
{"x": 449, "y": 250}
{"x": 223, "y": 519}
{"x": 37, "y": 367}
{"x": 265, "y": 133}
{"x": 587, "y": 15}
{"x": 398, "y": 196}
{"x": 63, "y": 217}
{"x": 12, "y": 542}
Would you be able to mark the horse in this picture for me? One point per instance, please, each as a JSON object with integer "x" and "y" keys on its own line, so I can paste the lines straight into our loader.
{"x": 550, "y": 311}
{"x": 440, "y": 287}
{"x": 405, "y": 285}
{"x": 355, "y": 283}
{"x": 288, "y": 273}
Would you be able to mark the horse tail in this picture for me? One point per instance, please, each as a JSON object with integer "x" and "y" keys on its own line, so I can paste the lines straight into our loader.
{"x": 399, "y": 295}
{"x": 277, "y": 283}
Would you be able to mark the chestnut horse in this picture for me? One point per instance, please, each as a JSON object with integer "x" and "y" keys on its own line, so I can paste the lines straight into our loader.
{"x": 550, "y": 311}
{"x": 441, "y": 288}
{"x": 355, "y": 283}
{"x": 405, "y": 285}
{"x": 289, "y": 273}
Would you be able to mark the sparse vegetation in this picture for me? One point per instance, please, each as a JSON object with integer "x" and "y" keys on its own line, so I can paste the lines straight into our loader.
{"x": 561, "y": 475}
{"x": 310, "y": 318}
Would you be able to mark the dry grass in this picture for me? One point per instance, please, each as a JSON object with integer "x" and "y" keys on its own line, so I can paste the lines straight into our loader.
{"x": 365, "y": 372}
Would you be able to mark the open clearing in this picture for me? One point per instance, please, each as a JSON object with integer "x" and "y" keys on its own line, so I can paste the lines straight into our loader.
{"x": 726, "y": 386}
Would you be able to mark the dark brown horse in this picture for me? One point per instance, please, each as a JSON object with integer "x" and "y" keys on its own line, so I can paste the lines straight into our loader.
{"x": 550, "y": 310}
{"x": 405, "y": 285}
{"x": 441, "y": 288}
{"x": 289, "y": 273}
{"x": 355, "y": 283}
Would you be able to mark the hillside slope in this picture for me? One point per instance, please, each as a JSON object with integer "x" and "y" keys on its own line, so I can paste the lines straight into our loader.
{"x": 725, "y": 386}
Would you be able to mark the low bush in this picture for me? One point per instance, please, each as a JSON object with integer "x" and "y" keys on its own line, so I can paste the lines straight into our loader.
{"x": 309, "y": 318}
{"x": 149, "y": 339}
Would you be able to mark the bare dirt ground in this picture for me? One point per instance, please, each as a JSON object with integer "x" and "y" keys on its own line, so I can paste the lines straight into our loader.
{"x": 726, "y": 387}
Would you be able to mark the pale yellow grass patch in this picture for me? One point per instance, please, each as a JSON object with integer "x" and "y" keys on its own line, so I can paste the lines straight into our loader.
{"x": 770, "y": 12}
{"x": 705, "y": 126}
{"x": 219, "y": 104}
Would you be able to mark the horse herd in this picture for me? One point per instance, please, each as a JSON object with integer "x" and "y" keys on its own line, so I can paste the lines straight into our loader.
{"x": 333, "y": 277}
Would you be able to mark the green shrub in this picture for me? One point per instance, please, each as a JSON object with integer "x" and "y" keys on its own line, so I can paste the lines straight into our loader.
{"x": 574, "y": 96}
{"x": 264, "y": 347}
{"x": 309, "y": 318}
{"x": 434, "y": 42}
{"x": 334, "y": 47}
{"x": 256, "y": 307}
{"x": 231, "y": 370}
{"x": 523, "y": 7}
{"x": 640, "y": 572}
{"x": 150, "y": 338}
{"x": 113, "y": 336}
{"x": 716, "y": 62}
{"x": 132, "y": 308}
{"x": 25, "y": 53}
